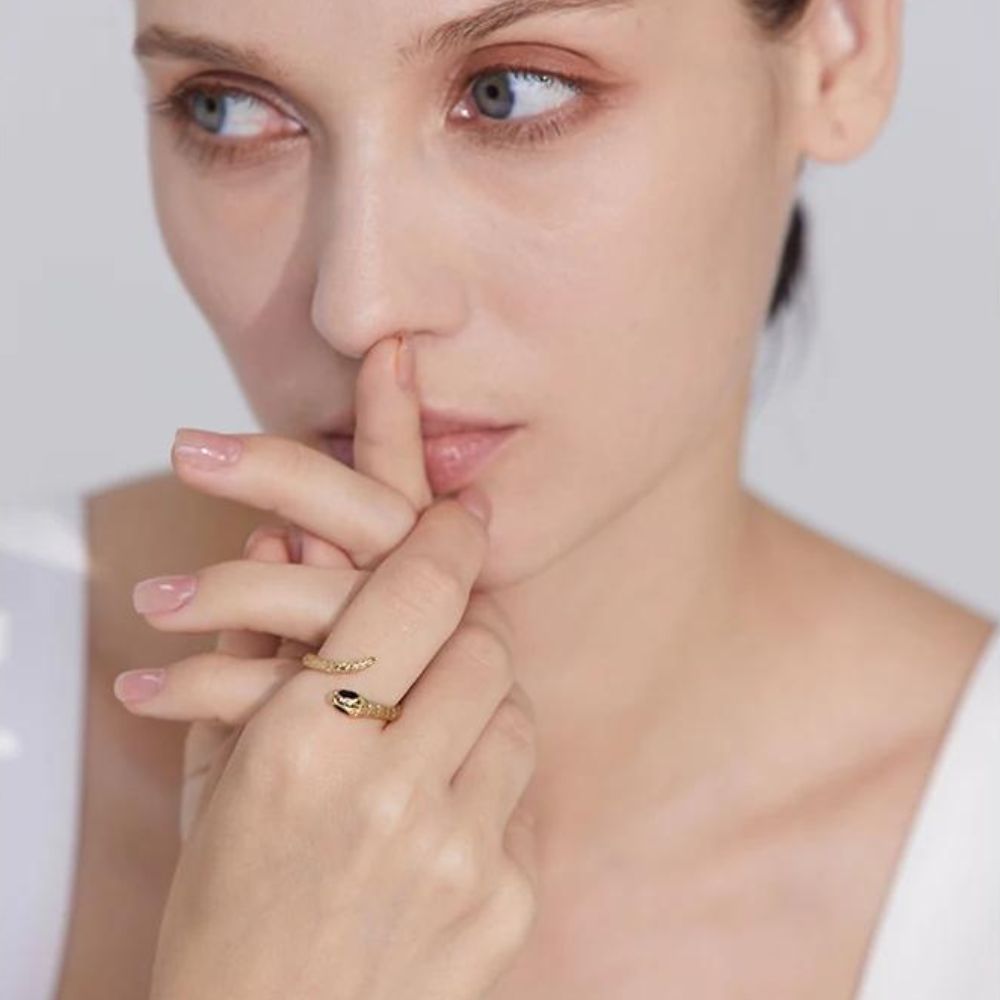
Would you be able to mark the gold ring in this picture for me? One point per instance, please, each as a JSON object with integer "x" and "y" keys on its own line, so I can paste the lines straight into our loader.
{"x": 350, "y": 702}
{"x": 359, "y": 707}
{"x": 336, "y": 666}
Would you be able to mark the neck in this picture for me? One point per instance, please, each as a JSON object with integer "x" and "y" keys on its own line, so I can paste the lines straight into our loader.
{"x": 621, "y": 643}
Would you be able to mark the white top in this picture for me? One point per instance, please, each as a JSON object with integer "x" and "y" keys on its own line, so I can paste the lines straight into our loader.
{"x": 42, "y": 698}
{"x": 938, "y": 936}
{"x": 939, "y": 932}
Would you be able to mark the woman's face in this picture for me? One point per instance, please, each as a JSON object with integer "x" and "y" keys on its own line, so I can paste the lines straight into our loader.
{"x": 591, "y": 261}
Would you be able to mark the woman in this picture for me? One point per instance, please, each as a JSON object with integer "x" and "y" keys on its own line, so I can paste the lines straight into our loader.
{"x": 685, "y": 738}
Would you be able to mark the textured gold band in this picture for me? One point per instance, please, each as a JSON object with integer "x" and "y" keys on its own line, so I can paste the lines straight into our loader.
{"x": 350, "y": 702}
{"x": 336, "y": 666}
{"x": 360, "y": 707}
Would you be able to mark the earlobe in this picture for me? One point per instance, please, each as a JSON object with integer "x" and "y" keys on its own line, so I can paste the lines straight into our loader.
{"x": 850, "y": 62}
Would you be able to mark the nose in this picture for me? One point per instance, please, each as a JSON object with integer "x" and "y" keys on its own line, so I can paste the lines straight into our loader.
{"x": 386, "y": 261}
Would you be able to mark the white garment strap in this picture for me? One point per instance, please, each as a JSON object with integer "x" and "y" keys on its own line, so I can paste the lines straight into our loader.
{"x": 939, "y": 937}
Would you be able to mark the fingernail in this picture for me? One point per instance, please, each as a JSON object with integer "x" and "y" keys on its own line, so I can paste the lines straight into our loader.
{"x": 477, "y": 501}
{"x": 138, "y": 685}
{"x": 205, "y": 449}
{"x": 260, "y": 534}
{"x": 404, "y": 363}
{"x": 162, "y": 593}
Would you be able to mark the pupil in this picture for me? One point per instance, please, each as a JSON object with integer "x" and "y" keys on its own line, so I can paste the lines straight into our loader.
{"x": 213, "y": 107}
{"x": 493, "y": 97}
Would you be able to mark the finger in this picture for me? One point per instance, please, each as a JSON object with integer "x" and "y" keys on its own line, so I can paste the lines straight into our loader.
{"x": 279, "y": 544}
{"x": 312, "y": 550}
{"x": 388, "y": 445}
{"x": 215, "y": 687}
{"x": 201, "y": 741}
{"x": 300, "y": 484}
{"x": 494, "y": 775}
{"x": 295, "y": 602}
{"x": 211, "y": 746}
{"x": 265, "y": 543}
{"x": 406, "y": 610}
{"x": 204, "y": 740}
{"x": 454, "y": 699}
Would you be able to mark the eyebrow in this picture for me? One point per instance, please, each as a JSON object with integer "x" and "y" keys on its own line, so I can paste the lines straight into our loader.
{"x": 159, "y": 40}
{"x": 473, "y": 27}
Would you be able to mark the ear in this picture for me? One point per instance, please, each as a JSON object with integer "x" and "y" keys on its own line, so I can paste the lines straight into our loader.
{"x": 846, "y": 56}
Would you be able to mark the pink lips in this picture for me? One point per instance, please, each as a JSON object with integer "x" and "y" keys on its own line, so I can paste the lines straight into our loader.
{"x": 433, "y": 422}
{"x": 451, "y": 459}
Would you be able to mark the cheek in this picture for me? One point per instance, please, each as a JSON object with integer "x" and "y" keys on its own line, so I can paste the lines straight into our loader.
{"x": 636, "y": 268}
{"x": 234, "y": 248}
{"x": 230, "y": 240}
{"x": 638, "y": 271}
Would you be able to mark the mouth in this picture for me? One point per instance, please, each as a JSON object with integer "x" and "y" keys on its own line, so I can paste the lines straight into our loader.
{"x": 433, "y": 423}
{"x": 451, "y": 459}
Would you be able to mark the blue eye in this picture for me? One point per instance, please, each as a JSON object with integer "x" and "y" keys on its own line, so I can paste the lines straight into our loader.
{"x": 237, "y": 110}
{"x": 214, "y": 120}
{"x": 533, "y": 92}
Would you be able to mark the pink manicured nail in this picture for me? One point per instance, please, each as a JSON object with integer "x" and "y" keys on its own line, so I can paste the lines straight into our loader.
{"x": 206, "y": 450}
{"x": 404, "y": 363}
{"x": 138, "y": 685}
{"x": 162, "y": 593}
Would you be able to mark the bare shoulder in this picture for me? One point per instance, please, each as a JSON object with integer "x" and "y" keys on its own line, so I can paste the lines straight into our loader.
{"x": 877, "y": 664}
{"x": 129, "y": 841}
{"x": 875, "y": 659}
{"x": 859, "y": 607}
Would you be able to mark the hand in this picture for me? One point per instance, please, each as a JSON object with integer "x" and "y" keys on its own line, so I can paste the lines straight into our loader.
{"x": 227, "y": 689}
{"x": 358, "y": 859}
{"x": 388, "y": 450}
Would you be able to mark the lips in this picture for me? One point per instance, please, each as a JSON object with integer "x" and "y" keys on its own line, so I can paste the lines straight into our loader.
{"x": 433, "y": 423}
{"x": 451, "y": 460}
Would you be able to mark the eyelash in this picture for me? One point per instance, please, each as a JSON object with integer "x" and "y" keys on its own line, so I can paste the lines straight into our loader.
{"x": 191, "y": 139}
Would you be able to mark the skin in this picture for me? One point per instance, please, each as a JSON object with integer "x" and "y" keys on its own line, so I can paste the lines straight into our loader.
{"x": 774, "y": 700}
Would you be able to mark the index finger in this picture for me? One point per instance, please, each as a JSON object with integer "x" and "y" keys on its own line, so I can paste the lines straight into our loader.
{"x": 301, "y": 484}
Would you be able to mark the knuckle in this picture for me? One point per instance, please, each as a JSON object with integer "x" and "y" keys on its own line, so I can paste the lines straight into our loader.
{"x": 456, "y": 865}
{"x": 386, "y": 804}
{"x": 423, "y": 584}
{"x": 481, "y": 645}
{"x": 484, "y": 608}
{"x": 275, "y": 749}
{"x": 514, "y": 905}
{"x": 515, "y": 725}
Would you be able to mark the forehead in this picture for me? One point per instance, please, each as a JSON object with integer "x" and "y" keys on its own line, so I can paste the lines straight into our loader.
{"x": 410, "y": 29}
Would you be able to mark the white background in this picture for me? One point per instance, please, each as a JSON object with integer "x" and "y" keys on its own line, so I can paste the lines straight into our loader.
{"x": 880, "y": 426}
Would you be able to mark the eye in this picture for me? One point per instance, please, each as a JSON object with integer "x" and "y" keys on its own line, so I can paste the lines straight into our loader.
{"x": 525, "y": 106}
{"x": 213, "y": 120}
{"x": 533, "y": 93}
{"x": 236, "y": 111}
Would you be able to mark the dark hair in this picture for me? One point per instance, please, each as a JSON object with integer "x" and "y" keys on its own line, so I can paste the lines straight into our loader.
{"x": 777, "y": 17}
